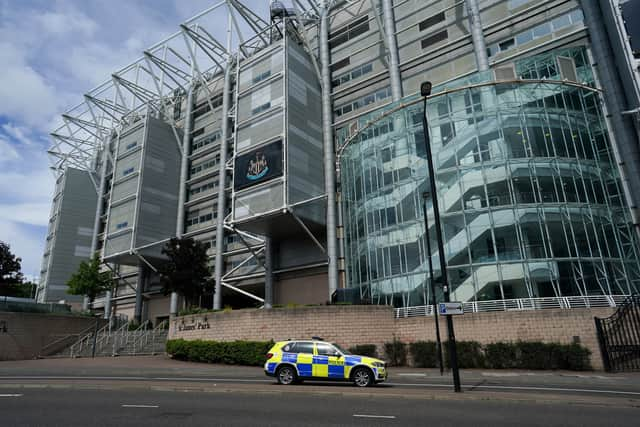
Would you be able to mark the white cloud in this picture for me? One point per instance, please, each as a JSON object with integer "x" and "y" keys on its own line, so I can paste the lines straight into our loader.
{"x": 58, "y": 23}
{"x": 24, "y": 93}
{"x": 7, "y": 152}
{"x": 20, "y": 134}
{"x": 26, "y": 213}
{"x": 25, "y": 242}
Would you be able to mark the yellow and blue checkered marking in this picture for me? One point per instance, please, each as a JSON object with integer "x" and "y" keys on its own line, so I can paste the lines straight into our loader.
{"x": 318, "y": 366}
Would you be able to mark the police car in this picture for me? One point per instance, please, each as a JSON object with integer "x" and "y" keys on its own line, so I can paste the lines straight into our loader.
{"x": 296, "y": 360}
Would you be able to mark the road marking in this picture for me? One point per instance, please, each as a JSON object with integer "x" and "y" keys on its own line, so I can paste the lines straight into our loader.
{"x": 244, "y": 380}
{"x": 374, "y": 416}
{"x": 510, "y": 387}
{"x": 133, "y": 378}
{"x": 10, "y": 395}
{"x": 579, "y": 390}
{"x": 140, "y": 406}
{"x": 412, "y": 375}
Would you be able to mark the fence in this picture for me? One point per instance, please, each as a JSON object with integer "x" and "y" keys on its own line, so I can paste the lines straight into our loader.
{"x": 521, "y": 304}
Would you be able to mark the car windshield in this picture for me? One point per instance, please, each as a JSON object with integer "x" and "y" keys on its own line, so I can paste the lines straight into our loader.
{"x": 342, "y": 350}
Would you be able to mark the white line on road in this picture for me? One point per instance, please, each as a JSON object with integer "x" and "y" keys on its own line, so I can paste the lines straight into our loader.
{"x": 245, "y": 380}
{"x": 510, "y": 387}
{"x": 374, "y": 416}
{"x": 140, "y": 406}
{"x": 10, "y": 395}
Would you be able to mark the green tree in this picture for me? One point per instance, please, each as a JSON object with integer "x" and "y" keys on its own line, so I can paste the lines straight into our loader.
{"x": 10, "y": 276}
{"x": 10, "y": 266}
{"x": 89, "y": 280}
{"x": 187, "y": 270}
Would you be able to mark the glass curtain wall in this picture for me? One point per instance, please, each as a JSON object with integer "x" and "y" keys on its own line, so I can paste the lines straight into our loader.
{"x": 530, "y": 197}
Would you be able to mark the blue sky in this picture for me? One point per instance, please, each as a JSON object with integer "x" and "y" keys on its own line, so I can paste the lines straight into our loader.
{"x": 51, "y": 52}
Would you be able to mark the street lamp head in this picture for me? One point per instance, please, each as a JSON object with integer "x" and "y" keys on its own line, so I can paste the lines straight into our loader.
{"x": 425, "y": 88}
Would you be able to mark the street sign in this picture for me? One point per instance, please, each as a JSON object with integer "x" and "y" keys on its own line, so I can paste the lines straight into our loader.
{"x": 453, "y": 308}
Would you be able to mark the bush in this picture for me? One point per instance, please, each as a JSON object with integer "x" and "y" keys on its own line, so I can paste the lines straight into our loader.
{"x": 251, "y": 353}
{"x": 195, "y": 310}
{"x": 501, "y": 355}
{"x": 424, "y": 354}
{"x": 537, "y": 355}
{"x": 364, "y": 350}
{"x": 470, "y": 354}
{"x": 576, "y": 357}
{"x": 396, "y": 352}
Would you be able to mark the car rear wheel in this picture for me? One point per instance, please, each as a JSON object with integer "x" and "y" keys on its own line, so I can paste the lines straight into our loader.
{"x": 362, "y": 377}
{"x": 286, "y": 375}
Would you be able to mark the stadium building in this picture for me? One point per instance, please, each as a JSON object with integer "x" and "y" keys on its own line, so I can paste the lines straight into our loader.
{"x": 289, "y": 139}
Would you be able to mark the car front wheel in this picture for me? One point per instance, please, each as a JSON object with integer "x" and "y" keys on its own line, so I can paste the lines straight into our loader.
{"x": 286, "y": 375}
{"x": 362, "y": 377}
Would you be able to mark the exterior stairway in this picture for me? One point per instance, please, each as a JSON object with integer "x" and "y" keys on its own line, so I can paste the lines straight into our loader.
{"x": 120, "y": 341}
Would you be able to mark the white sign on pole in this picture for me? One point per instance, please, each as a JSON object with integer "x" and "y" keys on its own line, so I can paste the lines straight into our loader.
{"x": 452, "y": 308}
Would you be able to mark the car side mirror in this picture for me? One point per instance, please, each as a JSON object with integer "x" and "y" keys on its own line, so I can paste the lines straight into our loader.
{"x": 337, "y": 354}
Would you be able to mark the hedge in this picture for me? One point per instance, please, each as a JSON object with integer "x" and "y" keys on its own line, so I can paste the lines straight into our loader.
{"x": 396, "y": 352}
{"x": 251, "y": 353}
{"x": 471, "y": 354}
{"x": 424, "y": 354}
{"x": 506, "y": 355}
{"x": 364, "y": 350}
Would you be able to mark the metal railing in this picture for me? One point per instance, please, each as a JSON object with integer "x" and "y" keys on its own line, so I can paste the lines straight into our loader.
{"x": 141, "y": 339}
{"x": 62, "y": 342}
{"x": 101, "y": 337}
{"x": 520, "y": 304}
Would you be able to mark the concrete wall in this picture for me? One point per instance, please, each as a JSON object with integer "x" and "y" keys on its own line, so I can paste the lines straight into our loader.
{"x": 28, "y": 333}
{"x": 351, "y": 325}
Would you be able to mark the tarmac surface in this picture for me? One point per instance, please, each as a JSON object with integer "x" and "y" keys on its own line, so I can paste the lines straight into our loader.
{"x": 159, "y": 391}
{"x": 161, "y": 372}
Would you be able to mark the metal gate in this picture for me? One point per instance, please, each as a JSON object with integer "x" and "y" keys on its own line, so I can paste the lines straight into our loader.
{"x": 619, "y": 337}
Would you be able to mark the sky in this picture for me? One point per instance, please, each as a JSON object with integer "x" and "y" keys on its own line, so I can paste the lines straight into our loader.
{"x": 51, "y": 52}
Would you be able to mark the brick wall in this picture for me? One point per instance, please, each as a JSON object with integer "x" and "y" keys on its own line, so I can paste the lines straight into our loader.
{"x": 27, "y": 333}
{"x": 351, "y": 325}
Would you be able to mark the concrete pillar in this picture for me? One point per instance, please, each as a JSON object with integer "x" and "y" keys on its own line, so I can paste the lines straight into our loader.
{"x": 173, "y": 308}
{"x": 140, "y": 286}
{"x": 268, "y": 273}
{"x": 107, "y": 305}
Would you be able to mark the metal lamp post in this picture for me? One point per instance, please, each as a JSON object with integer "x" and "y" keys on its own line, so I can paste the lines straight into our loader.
{"x": 425, "y": 90}
{"x": 432, "y": 285}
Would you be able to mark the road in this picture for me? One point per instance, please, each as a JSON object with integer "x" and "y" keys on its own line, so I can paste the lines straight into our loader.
{"x": 161, "y": 371}
{"x": 159, "y": 391}
{"x": 71, "y": 407}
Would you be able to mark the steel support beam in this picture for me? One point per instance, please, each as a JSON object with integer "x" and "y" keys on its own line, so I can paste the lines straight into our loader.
{"x": 625, "y": 137}
{"x": 392, "y": 50}
{"x": 222, "y": 184}
{"x": 475, "y": 25}
{"x": 329, "y": 151}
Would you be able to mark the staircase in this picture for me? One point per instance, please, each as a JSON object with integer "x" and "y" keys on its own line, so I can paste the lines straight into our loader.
{"x": 118, "y": 340}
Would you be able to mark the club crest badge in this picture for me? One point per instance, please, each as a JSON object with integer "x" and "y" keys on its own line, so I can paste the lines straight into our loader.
{"x": 258, "y": 167}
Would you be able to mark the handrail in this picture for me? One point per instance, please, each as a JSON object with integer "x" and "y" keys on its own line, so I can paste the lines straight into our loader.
{"x": 521, "y": 304}
{"x": 120, "y": 334}
{"x": 138, "y": 334}
{"x": 44, "y": 349}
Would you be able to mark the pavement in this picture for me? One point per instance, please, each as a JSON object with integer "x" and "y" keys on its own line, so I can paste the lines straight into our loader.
{"x": 164, "y": 374}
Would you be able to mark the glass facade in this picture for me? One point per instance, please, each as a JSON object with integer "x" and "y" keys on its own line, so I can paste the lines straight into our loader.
{"x": 530, "y": 199}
